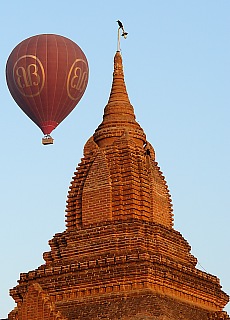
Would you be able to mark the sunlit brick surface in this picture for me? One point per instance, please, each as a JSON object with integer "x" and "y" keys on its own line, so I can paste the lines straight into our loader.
{"x": 119, "y": 257}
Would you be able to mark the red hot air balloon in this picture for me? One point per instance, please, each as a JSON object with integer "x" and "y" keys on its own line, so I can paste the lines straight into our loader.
{"x": 47, "y": 75}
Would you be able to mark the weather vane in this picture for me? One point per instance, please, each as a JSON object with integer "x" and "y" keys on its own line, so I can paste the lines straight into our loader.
{"x": 124, "y": 34}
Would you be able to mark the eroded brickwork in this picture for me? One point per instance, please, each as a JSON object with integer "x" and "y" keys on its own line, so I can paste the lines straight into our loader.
{"x": 119, "y": 257}
{"x": 141, "y": 305}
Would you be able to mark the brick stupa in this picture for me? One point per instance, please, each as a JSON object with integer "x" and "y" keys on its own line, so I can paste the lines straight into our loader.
{"x": 119, "y": 257}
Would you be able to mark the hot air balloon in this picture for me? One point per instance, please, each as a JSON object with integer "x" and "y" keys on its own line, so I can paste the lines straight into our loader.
{"x": 47, "y": 75}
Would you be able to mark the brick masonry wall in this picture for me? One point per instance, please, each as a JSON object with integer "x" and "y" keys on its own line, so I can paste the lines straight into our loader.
{"x": 119, "y": 257}
{"x": 135, "y": 306}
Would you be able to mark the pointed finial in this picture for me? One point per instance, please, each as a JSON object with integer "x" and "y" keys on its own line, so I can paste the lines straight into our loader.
{"x": 118, "y": 90}
{"x": 124, "y": 34}
{"x": 118, "y": 113}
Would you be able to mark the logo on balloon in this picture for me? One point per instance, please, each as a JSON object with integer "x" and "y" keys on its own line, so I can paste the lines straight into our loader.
{"x": 77, "y": 79}
{"x": 29, "y": 75}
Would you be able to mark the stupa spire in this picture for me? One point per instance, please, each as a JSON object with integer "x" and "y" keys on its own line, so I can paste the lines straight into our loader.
{"x": 118, "y": 90}
{"x": 119, "y": 114}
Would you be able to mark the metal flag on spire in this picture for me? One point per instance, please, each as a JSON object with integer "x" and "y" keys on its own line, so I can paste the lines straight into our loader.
{"x": 124, "y": 34}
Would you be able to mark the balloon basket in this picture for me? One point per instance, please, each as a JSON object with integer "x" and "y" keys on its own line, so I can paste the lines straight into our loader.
{"x": 47, "y": 140}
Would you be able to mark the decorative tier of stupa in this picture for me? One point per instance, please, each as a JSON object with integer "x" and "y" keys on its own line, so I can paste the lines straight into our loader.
{"x": 119, "y": 257}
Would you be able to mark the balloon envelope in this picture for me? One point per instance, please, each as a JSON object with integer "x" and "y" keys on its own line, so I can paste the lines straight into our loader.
{"x": 47, "y": 76}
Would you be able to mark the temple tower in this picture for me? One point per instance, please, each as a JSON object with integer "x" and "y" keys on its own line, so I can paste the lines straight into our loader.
{"x": 119, "y": 257}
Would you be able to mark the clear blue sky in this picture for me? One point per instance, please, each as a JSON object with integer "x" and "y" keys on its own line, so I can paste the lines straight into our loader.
{"x": 177, "y": 70}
